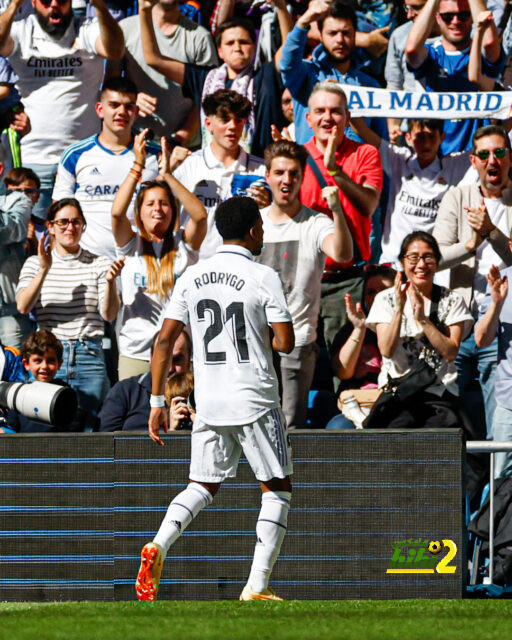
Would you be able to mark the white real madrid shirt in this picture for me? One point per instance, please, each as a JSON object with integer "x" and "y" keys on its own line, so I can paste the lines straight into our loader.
{"x": 414, "y": 193}
{"x": 58, "y": 82}
{"x": 208, "y": 179}
{"x": 92, "y": 174}
{"x": 230, "y": 301}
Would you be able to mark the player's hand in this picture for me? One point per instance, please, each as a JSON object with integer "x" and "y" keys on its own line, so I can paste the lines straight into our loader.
{"x": 21, "y": 123}
{"x": 139, "y": 147}
{"x": 44, "y": 253}
{"x": 146, "y": 103}
{"x": 157, "y": 418}
{"x": 498, "y": 286}
{"x": 260, "y": 194}
{"x": 115, "y": 269}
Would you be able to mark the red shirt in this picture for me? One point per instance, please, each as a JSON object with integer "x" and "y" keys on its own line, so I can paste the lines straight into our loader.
{"x": 361, "y": 162}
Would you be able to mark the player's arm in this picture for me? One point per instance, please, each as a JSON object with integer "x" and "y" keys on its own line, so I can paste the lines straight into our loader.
{"x": 171, "y": 69}
{"x": 415, "y": 51}
{"x": 284, "y": 337}
{"x": 160, "y": 362}
{"x": 6, "y": 20}
{"x": 110, "y": 42}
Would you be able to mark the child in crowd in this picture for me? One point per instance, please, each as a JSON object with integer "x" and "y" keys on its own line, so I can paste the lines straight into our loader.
{"x": 419, "y": 178}
{"x": 27, "y": 181}
{"x": 42, "y": 357}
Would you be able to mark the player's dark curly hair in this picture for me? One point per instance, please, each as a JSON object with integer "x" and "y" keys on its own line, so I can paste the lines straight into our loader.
{"x": 235, "y": 217}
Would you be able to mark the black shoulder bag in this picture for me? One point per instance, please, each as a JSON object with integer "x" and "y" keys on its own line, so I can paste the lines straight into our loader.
{"x": 403, "y": 390}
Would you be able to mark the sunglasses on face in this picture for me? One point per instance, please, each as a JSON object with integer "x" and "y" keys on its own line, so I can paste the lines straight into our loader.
{"x": 448, "y": 16}
{"x": 410, "y": 7}
{"x": 47, "y": 3}
{"x": 29, "y": 192}
{"x": 414, "y": 258}
{"x": 484, "y": 154}
{"x": 64, "y": 222}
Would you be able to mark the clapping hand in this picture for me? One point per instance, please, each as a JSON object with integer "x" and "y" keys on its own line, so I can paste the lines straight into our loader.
{"x": 400, "y": 292}
{"x": 146, "y": 104}
{"x": 418, "y": 303}
{"x": 478, "y": 219}
{"x": 44, "y": 252}
{"x": 498, "y": 286}
{"x": 355, "y": 312}
{"x": 139, "y": 148}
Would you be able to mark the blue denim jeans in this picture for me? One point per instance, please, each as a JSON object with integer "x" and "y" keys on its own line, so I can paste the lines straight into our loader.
{"x": 83, "y": 368}
{"x": 502, "y": 432}
{"x": 476, "y": 371}
{"x": 46, "y": 173}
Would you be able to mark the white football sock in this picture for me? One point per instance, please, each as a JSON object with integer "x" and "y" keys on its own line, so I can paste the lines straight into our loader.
{"x": 270, "y": 531}
{"x": 182, "y": 510}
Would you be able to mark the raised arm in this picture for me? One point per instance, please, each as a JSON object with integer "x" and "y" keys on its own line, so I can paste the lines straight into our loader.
{"x": 111, "y": 302}
{"x": 121, "y": 226}
{"x": 487, "y": 327}
{"x": 292, "y": 65}
{"x": 6, "y": 20}
{"x": 483, "y": 21}
{"x": 389, "y": 332}
{"x": 364, "y": 197}
{"x": 338, "y": 245}
{"x": 171, "y": 69}
{"x": 110, "y": 42}
{"x": 345, "y": 361}
{"x": 26, "y": 299}
{"x": 195, "y": 229}
{"x": 491, "y": 39}
{"x": 415, "y": 50}
{"x": 285, "y": 21}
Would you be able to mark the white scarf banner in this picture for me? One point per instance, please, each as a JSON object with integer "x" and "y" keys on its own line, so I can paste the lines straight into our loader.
{"x": 375, "y": 103}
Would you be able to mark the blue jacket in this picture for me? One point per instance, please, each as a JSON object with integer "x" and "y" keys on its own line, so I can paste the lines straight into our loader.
{"x": 300, "y": 76}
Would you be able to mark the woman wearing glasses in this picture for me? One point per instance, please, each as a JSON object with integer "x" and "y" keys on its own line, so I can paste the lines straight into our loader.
{"x": 419, "y": 321}
{"x": 72, "y": 292}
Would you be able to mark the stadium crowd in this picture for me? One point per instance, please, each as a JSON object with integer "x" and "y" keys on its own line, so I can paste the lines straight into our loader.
{"x": 125, "y": 125}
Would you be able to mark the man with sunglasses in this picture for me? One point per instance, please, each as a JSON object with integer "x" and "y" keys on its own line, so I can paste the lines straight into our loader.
{"x": 59, "y": 60}
{"x": 443, "y": 65}
{"x": 473, "y": 228}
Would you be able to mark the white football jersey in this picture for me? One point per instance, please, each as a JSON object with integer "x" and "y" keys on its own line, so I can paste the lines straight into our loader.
{"x": 92, "y": 174}
{"x": 230, "y": 301}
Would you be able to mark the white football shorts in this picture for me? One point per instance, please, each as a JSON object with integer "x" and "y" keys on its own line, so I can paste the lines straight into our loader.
{"x": 216, "y": 450}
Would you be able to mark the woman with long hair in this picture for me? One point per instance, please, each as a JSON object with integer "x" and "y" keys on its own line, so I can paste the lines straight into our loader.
{"x": 156, "y": 254}
{"x": 73, "y": 293}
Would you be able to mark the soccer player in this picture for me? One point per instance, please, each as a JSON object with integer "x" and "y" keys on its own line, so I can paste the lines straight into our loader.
{"x": 230, "y": 301}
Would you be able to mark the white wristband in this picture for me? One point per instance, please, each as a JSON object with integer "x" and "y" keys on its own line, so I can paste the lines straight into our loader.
{"x": 155, "y": 402}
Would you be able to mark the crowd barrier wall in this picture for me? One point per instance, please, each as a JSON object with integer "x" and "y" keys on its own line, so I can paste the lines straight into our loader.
{"x": 76, "y": 510}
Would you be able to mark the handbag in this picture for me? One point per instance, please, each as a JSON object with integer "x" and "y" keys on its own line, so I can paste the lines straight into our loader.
{"x": 404, "y": 389}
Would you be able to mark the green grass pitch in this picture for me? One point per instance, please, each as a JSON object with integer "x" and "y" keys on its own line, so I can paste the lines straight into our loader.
{"x": 292, "y": 620}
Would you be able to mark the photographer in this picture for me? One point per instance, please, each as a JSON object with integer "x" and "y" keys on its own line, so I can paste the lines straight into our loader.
{"x": 126, "y": 406}
{"x": 178, "y": 390}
